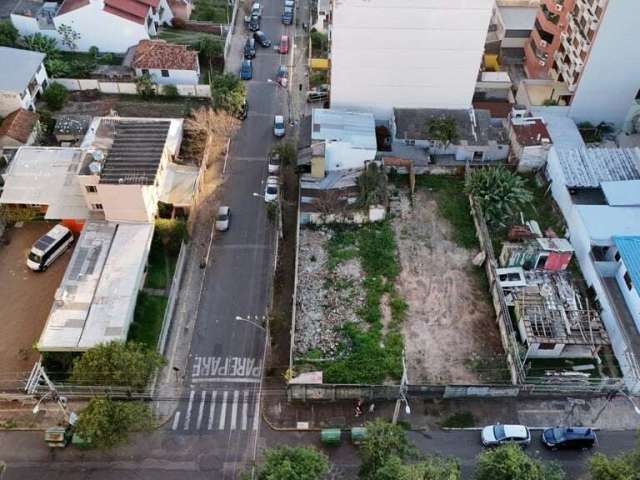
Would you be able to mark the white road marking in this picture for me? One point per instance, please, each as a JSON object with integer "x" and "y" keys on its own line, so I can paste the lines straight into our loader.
{"x": 245, "y": 406}
{"x": 187, "y": 418}
{"x": 176, "y": 421}
{"x": 223, "y": 412}
{"x": 201, "y": 409}
{"x": 234, "y": 409}
{"x": 225, "y": 379}
{"x": 256, "y": 414}
{"x": 212, "y": 409}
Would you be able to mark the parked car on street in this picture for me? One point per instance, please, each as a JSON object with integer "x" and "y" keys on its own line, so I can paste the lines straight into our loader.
{"x": 287, "y": 15}
{"x": 246, "y": 70}
{"x": 256, "y": 9}
{"x": 289, "y": 3}
{"x": 495, "y": 435}
{"x": 250, "y": 48}
{"x": 278, "y": 126}
{"x": 274, "y": 163}
{"x": 262, "y": 39}
{"x": 253, "y": 22}
{"x": 282, "y": 75}
{"x": 271, "y": 189}
{"x": 222, "y": 218}
{"x": 568, "y": 438}
{"x": 284, "y": 44}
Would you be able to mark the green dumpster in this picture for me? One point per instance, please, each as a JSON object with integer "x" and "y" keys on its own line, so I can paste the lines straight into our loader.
{"x": 79, "y": 442}
{"x": 330, "y": 436}
{"x": 358, "y": 434}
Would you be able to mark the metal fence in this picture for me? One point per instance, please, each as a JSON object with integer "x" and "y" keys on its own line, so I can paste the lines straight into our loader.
{"x": 171, "y": 302}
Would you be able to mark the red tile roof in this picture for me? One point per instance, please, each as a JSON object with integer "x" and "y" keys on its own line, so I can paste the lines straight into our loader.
{"x": 122, "y": 14}
{"x": 151, "y": 3}
{"x": 71, "y": 5}
{"x": 134, "y": 10}
{"x": 498, "y": 109}
{"x": 18, "y": 125}
{"x": 159, "y": 54}
{"x": 532, "y": 133}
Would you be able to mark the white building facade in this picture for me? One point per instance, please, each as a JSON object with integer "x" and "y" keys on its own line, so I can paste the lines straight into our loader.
{"x": 22, "y": 78}
{"x": 406, "y": 53}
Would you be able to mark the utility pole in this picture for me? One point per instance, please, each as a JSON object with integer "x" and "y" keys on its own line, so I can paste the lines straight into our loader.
{"x": 402, "y": 394}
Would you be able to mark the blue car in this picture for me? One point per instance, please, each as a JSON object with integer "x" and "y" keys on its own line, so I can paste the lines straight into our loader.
{"x": 246, "y": 70}
{"x": 569, "y": 437}
{"x": 287, "y": 15}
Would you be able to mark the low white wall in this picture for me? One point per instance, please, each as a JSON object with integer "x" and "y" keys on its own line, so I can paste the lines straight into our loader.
{"x": 127, "y": 87}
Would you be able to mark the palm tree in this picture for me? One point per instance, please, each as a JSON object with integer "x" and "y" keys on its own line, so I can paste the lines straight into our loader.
{"x": 499, "y": 192}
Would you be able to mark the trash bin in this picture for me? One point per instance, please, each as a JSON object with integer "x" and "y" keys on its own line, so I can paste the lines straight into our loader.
{"x": 358, "y": 434}
{"x": 330, "y": 436}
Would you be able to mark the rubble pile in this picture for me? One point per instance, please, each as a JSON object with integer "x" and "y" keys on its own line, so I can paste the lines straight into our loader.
{"x": 325, "y": 299}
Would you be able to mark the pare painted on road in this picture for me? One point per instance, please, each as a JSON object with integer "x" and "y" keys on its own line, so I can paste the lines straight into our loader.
{"x": 226, "y": 367}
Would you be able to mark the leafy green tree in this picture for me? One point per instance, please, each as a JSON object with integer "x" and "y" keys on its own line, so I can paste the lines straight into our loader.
{"x": 430, "y": 468}
{"x": 443, "y": 130}
{"x": 372, "y": 185}
{"x": 287, "y": 152}
{"x": 116, "y": 364}
{"x": 293, "y": 463}
{"x": 227, "y": 92}
{"x": 210, "y": 48}
{"x": 55, "y": 95}
{"x": 144, "y": 86}
{"x": 170, "y": 91}
{"x": 621, "y": 467}
{"x": 106, "y": 423}
{"x": 8, "y": 34}
{"x": 383, "y": 442}
{"x": 68, "y": 36}
{"x": 499, "y": 192}
{"x": 41, "y": 43}
{"x": 510, "y": 462}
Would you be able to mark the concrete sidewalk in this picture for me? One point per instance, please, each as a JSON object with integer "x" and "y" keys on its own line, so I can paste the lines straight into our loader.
{"x": 429, "y": 414}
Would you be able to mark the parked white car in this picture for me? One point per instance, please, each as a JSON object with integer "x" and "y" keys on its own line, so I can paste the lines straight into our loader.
{"x": 271, "y": 189}
{"x": 222, "y": 219}
{"x": 274, "y": 163}
{"x": 278, "y": 126}
{"x": 495, "y": 435}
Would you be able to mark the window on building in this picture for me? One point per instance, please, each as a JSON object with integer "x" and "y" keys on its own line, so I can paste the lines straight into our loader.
{"x": 145, "y": 71}
{"x": 97, "y": 206}
{"x": 91, "y": 189}
{"x": 627, "y": 281}
{"x": 546, "y": 346}
{"x": 617, "y": 256}
{"x": 544, "y": 35}
{"x": 165, "y": 73}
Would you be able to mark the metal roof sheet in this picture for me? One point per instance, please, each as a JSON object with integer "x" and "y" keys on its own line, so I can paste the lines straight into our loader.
{"x": 358, "y": 129}
{"x": 629, "y": 249}
{"x": 588, "y": 168}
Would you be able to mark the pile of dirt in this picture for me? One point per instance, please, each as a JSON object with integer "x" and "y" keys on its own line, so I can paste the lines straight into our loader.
{"x": 326, "y": 299}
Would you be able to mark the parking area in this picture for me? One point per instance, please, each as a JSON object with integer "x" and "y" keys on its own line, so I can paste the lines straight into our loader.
{"x": 26, "y": 297}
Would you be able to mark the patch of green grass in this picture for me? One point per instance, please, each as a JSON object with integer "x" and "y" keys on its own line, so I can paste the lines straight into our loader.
{"x": 157, "y": 268}
{"x": 453, "y": 205}
{"x": 459, "y": 420}
{"x": 216, "y": 11}
{"x": 147, "y": 319}
{"x": 341, "y": 247}
{"x": 181, "y": 37}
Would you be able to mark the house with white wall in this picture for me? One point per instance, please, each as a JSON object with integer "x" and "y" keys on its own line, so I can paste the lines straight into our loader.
{"x": 406, "y": 54}
{"x": 110, "y": 25}
{"x": 479, "y": 138}
{"x": 22, "y": 78}
{"x": 166, "y": 63}
{"x": 598, "y": 192}
{"x": 530, "y": 141}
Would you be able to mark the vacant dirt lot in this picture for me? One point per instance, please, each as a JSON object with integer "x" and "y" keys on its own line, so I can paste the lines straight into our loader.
{"x": 450, "y": 319}
{"x": 26, "y": 297}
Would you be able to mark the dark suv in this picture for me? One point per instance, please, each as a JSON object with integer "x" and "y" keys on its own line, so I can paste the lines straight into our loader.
{"x": 250, "y": 48}
{"x": 568, "y": 437}
{"x": 262, "y": 38}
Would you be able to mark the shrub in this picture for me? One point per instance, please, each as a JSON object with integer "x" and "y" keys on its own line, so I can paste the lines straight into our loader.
{"x": 144, "y": 86}
{"x": 55, "y": 95}
{"x": 94, "y": 51}
{"x": 8, "y": 34}
{"x": 40, "y": 43}
{"x": 170, "y": 91}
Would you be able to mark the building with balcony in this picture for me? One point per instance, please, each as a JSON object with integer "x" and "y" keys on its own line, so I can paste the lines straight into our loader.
{"x": 598, "y": 192}
{"x": 388, "y": 54}
{"x": 22, "y": 78}
{"x": 110, "y": 25}
{"x": 590, "y": 46}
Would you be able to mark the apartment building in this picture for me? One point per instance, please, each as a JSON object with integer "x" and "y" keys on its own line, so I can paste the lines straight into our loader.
{"x": 23, "y": 77}
{"x": 591, "y": 47}
{"x": 389, "y": 54}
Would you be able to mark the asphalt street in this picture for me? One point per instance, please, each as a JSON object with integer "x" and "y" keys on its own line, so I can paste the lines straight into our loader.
{"x": 226, "y": 358}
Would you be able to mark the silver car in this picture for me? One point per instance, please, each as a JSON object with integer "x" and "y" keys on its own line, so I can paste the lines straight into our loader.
{"x": 222, "y": 219}
{"x": 278, "y": 126}
{"x": 495, "y": 435}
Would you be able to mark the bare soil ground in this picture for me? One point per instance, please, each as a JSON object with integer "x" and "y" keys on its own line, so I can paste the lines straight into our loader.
{"x": 26, "y": 298}
{"x": 450, "y": 318}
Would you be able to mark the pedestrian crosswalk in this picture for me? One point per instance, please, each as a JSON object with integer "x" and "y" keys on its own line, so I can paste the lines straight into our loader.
{"x": 218, "y": 410}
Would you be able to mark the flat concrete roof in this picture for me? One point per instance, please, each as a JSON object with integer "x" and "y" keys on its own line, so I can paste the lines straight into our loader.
{"x": 518, "y": 18}
{"x": 604, "y": 222}
{"x": 97, "y": 296}
{"x": 625, "y": 193}
{"x": 358, "y": 129}
{"x": 18, "y": 68}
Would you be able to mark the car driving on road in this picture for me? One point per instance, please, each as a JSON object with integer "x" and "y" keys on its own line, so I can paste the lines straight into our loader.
{"x": 262, "y": 39}
{"x": 284, "y": 44}
{"x": 246, "y": 70}
{"x": 568, "y": 437}
{"x": 271, "y": 189}
{"x": 222, "y": 218}
{"x": 495, "y": 435}
{"x": 278, "y": 126}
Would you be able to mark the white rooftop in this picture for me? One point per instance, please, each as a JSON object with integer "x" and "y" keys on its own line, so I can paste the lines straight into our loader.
{"x": 625, "y": 193}
{"x": 358, "y": 129}
{"x": 18, "y": 68}
{"x": 563, "y": 130}
{"x": 46, "y": 176}
{"x": 518, "y": 18}
{"x": 603, "y": 222}
{"x": 98, "y": 293}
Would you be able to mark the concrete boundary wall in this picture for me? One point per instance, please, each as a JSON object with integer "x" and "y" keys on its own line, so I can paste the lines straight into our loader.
{"x": 171, "y": 302}
{"x": 126, "y": 88}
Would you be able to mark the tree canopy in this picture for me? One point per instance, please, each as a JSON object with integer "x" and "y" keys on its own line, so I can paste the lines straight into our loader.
{"x": 227, "y": 92}
{"x": 8, "y": 34}
{"x": 430, "y": 468}
{"x": 443, "y": 130}
{"x": 509, "y": 462}
{"x": 116, "y": 364}
{"x": 383, "y": 442}
{"x": 293, "y": 463}
{"x": 621, "y": 467}
{"x": 105, "y": 423}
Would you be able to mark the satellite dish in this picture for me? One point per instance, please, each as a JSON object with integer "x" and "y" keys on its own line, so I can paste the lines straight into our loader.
{"x": 95, "y": 168}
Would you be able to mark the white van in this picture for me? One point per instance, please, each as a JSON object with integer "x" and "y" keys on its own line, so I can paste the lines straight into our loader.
{"x": 49, "y": 247}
